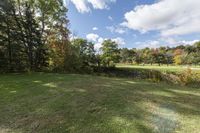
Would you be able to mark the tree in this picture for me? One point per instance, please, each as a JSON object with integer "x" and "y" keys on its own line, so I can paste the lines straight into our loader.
{"x": 110, "y": 53}
{"x": 126, "y": 55}
{"x": 189, "y": 49}
{"x": 54, "y": 29}
{"x": 30, "y": 30}
{"x": 178, "y": 56}
{"x": 178, "y": 60}
{"x": 37, "y": 53}
{"x": 85, "y": 52}
{"x": 147, "y": 56}
{"x": 13, "y": 36}
{"x": 169, "y": 58}
{"x": 138, "y": 58}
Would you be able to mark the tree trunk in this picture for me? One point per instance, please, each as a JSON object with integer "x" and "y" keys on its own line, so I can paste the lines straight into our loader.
{"x": 9, "y": 47}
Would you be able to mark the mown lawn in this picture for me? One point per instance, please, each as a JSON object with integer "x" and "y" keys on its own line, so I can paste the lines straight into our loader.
{"x": 61, "y": 103}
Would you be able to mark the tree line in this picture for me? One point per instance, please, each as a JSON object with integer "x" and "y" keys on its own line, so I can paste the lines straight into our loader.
{"x": 110, "y": 54}
{"x": 180, "y": 55}
{"x": 34, "y": 36}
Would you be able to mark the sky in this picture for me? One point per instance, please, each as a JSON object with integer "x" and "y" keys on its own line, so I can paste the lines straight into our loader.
{"x": 135, "y": 23}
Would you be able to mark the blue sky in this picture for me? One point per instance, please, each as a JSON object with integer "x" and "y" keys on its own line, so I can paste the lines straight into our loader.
{"x": 136, "y": 23}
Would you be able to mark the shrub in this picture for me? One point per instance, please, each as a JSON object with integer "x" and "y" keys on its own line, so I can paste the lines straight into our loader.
{"x": 189, "y": 78}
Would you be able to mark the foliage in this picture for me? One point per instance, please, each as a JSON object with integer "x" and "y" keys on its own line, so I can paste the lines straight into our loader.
{"x": 188, "y": 77}
{"x": 110, "y": 53}
{"x": 178, "y": 59}
{"x": 83, "y": 55}
{"x": 171, "y": 74}
{"x": 126, "y": 55}
{"x": 180, "y": 55}
{"x": 33, "y": 34}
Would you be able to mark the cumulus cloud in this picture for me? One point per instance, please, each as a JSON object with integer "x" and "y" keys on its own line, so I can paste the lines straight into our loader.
{"x": 116, "y": 29}
{"x": 98, "y": 44}
{"x": 92, "y": 37}
{"x": 189, "y": 42}
{"x": 171, "y": 42}
{"x": 100, "y": 4}
{"x": 175, "y": 42}
{"x": 169, "y": 17}
{"x": 97, "y": 40}
{"x": 94, "y": 28}
{"x": 110, "y": 18}
{"x": 81, "y": 5}
{"x": 119, "y": 41}
{"x": 84, "y": 6}
{"x": 148, "y": 44}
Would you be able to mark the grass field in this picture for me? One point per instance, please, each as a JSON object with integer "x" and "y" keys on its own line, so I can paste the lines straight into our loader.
{"x": 59, "y": 103}
{"x": 161, "y": 68}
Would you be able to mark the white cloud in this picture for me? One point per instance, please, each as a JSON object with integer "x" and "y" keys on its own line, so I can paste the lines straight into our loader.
{"x": 171, "y": 42}
{"x": 66, "y": 3}
{"x": 98, "y": 44}
{"x": 92, "y": 37}
{"x": 97, "y": 40}
{"x": 120, "y": 30}
{"x": 110, "y": 28}
{"x": 94, "y": 28}
{"x": 110, "y": 18}
{"x": 189, "y": 42}
{"x": 81, "y": 5}
{"x": 170, "y": 17}
{"x": 175, "y": 42}
{"x": 148, "y": 44}
{"x": 119, "y": 41}
{"x": 116, "y": 29}
{"x": 84, "y": 6}
{"x": 100, "y": 4}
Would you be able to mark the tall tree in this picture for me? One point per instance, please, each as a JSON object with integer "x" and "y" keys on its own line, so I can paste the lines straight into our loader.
{"x": 110, "y": 53}
{"x": 85, "y": 52}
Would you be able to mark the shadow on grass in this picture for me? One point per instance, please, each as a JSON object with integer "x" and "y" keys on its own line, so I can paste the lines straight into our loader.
{"x": 88, "y": 104}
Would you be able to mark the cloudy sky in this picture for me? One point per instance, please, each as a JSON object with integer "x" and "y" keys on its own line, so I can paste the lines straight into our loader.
{"x": 136, "y": 23}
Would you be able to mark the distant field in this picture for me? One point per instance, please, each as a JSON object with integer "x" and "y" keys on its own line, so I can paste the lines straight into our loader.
{"x": 161, "y": 68}
{"x": 63, "y": 103}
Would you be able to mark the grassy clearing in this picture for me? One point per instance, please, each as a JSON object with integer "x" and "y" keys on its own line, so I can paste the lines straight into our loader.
{"x": 161, "y": 68}
{"x": 86, "y": 104}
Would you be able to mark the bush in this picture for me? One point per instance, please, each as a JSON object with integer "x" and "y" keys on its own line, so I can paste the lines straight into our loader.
{"x": 186, "y": 77}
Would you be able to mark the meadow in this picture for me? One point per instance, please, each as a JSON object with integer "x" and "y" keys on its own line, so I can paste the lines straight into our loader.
{"x": 163, "y": 68}
{"x": 73, "y": 103}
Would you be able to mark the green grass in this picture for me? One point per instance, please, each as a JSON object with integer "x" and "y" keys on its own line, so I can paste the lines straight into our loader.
{"x": 161, "y": 68}
{"x": 59, "y": 103}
